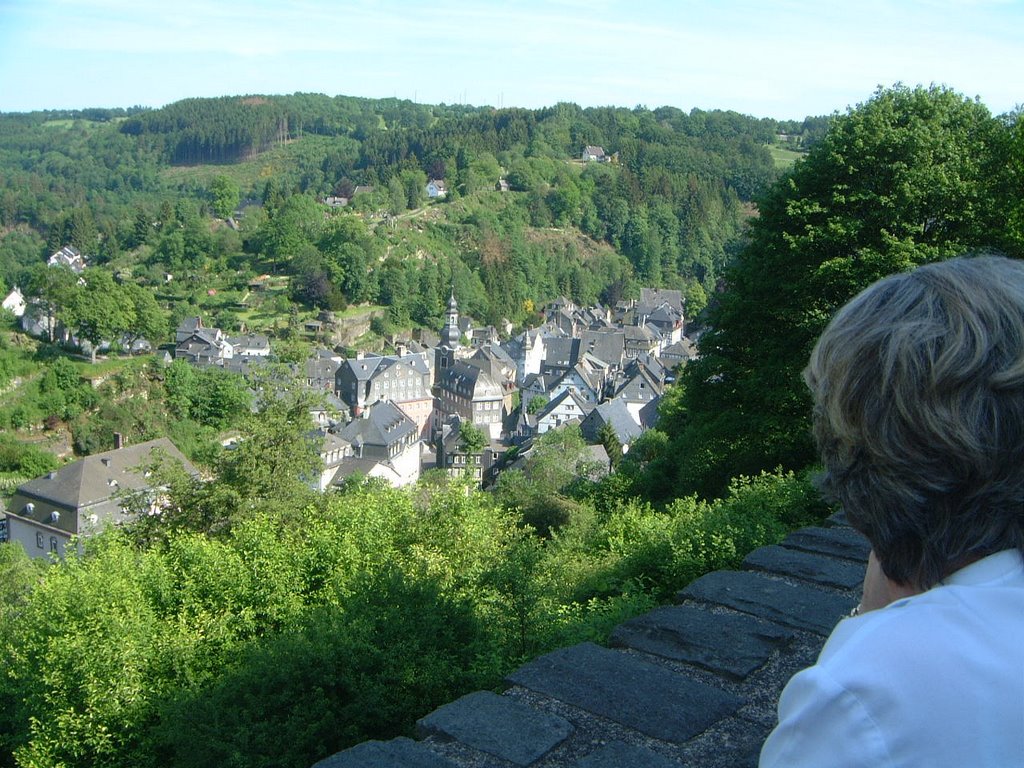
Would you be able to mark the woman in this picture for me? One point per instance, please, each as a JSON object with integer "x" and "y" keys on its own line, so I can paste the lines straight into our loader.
{"x": 918, "y": 388}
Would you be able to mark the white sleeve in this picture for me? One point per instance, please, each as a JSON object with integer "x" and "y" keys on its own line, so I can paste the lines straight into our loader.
{"x": 823, "y": 725}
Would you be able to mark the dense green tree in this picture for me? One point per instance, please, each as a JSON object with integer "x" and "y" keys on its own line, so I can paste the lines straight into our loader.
{"x": 905, "y": 178}
{"x": 472, "y": 437}
{"x": 56, "y": 288}
{"x": 226, "y": 195}
{"x": 99, "y": 310}
{"x": 147, "y": 320}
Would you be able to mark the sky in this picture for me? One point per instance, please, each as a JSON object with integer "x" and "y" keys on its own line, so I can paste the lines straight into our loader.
{"x": 785, "y": 59}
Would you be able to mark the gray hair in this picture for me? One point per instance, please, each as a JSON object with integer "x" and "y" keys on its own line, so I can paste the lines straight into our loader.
{"x": 918, "y": 388}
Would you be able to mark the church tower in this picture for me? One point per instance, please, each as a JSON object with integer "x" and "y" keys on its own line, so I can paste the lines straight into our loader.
{"x": 450, "y": 334}
{"x": 444, "y": 357}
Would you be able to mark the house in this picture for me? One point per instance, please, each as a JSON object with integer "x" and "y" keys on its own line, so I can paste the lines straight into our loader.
{"x": 187, "y": 327}
{"x": 479, "y": 337}
{"x": 14, "y": 302}
{"x": 321, "y": 369}
{"x": 680, "y": 353}
{"x": 327, "y": 410}
{"x": 367, "y": 379}
{"x": 436, "y": 188}
{"x": 641, "y": 340}
{"x": 335, "y": 201}
{"x": 250, "y": 345}
{"x": 607, "y": 344}
{"x": 592, "y": 154}
{"x": 564, "y": 408}
{"x": 362, "y": 189}
{"x": 204, "y": 346}
{"x": 524, "y": 429}
{"x": 656, "y": 296}
{"x": 457, "y": 459}
{"x": 470, "y": 393}
{"x": 384, "y": 443}
{"x": 334, "y": 451}
{"x": 537, "y": 385}
{"x": 82, "y": 497}
{"x": 561, "y": 354}
{"x": 615, "y": 413}
{"x": 69, "y": 257}
{"x": 501, "y": 186}
{"x": 244, "y": 365}
{"x": 528, "y": 351}
{"x": 638, "y": 390}
{"x": 583, "y": 379}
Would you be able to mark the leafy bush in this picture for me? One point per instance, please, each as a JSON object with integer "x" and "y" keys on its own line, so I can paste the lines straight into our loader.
{"x": 24, "y": 458}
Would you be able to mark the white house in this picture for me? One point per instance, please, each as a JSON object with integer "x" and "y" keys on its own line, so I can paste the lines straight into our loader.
{"x": 436, "y": 188}
{"x": 15, "y": 303}
{"x": 69, "y": 257}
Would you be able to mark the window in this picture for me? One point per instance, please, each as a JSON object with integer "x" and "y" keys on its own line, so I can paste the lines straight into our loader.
{"x": 39, "y": 540}
{"x": 53, "y": 543}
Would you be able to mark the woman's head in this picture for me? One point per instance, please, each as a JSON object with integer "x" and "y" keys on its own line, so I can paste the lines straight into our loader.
{"x": 918, "y": 387}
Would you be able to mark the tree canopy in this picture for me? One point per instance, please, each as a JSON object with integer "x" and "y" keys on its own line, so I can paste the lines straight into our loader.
{"x": 911, "y": 176}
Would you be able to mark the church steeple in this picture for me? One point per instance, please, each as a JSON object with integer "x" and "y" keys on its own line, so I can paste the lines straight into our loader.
{"x": 450, "y": 334}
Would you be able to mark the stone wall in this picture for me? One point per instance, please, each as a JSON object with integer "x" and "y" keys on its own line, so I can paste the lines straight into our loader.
{"x": 693, "y": 684}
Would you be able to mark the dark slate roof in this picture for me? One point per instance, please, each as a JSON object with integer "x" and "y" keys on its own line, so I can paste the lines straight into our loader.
{"x": 648, "y": 362}
{"x": 630, "y": 388}
{"x": 608, "y": 345}
{"x": 360, "y": 369}
{"x": 321, "y": 366}
{"x": 612, "y": 412}
{"x": 188, "y": 326}
{"x": 244, "y": 364}
{"x": 494, "y": 361}
{"x": 252, "y": 341}
{"x": 384, "y": 425}
{"x": 538, "y": 382}
{"x": 97, "y": 477}
{"x": 561, "y": 352}
{"x": 684, "y": 349}
{"x": 463, "y": 376}
{"x": 649, "y": 413}
{"x": 658, "y": 295}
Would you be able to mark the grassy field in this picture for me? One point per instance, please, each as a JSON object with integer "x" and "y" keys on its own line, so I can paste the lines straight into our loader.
{"x": 784, "y": 158}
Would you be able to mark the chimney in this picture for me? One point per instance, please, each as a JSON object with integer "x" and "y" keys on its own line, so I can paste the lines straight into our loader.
{"x": 118, "y": 441}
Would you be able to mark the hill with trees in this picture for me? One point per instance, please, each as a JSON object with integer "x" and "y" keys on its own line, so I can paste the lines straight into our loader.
{"x": 254, "y": 607}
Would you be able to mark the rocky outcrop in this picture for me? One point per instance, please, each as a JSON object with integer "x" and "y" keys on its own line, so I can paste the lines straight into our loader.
{"x": 693, "y": 684}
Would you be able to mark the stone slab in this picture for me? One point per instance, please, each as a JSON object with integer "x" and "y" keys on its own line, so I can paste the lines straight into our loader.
{"x": 829, "y": 571}
{"x": 835, "y": 542}
{"x": 800, "y": 607}
{"x": 397, "y": 753}
{"x": 498, "y": 726}
{"x": 635, "y": 693}
{"x": 619, "y": 755}
{"x": 729, "y": 644}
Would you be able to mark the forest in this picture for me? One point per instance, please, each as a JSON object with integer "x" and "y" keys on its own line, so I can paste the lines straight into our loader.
{"x": 253, "y": 606}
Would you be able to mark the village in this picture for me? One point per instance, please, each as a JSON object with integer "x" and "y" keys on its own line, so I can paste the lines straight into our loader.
{"x": 468, "y": 401}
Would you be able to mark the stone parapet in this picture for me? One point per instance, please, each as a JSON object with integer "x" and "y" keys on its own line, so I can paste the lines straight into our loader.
{"x": 693, "y": 684}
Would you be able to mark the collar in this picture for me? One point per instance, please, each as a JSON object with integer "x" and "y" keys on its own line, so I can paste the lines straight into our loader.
{"x": 989, "y": 569}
